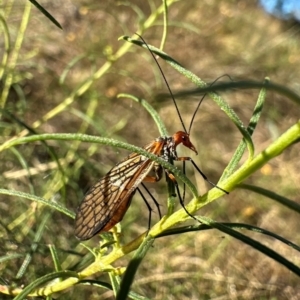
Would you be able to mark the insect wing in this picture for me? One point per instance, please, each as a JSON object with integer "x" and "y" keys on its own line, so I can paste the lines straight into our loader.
{"x": 107, "y": 201}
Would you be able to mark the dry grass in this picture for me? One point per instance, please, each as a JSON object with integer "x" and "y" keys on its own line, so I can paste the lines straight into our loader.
{"x": 210, "y": 38}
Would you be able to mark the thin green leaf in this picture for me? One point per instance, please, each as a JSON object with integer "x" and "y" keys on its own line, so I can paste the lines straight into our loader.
{"x": 282, "y": 200}
{"x": 153, "y": 113}
{"x": 10, "y": 256}
{"x": 136, "y": 296}
{"x": 104, "y": 141}
{"x": 34, "y": 246}
{"x": 251, "y": 127}
{"x": 55, "y": 258}
{"x": 14, "y": 53}
{"x": 133, "y": 266}
{"x": 200, "y": 83}
{"x": 165, "y": 26}
{"x": 258, "y": 109}
{"x": 291, "y": 136}
{"x": 185, "y": 229}
{"x": 49, "y": 149}
{"x": 69, "y": 66}
{"x": 242, "y": 84}
{"x": 96, "y": 283}
{"x": 46, "y": 13}
{"x": 5, "y": 53}
{"x": 42, "y": 280}
{"x": 24, "y": 165}
{"x": 107, "y": 286}
{"x": 115, "y": 282}
{"x": 254, "y": 244}
{"x": 51, "y": 204}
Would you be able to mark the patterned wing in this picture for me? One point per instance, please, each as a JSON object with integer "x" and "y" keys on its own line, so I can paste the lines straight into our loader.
{"x": 107, "y": 201}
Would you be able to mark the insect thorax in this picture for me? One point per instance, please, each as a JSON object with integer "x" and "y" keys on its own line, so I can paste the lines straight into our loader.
{"x": 169, "y": 149}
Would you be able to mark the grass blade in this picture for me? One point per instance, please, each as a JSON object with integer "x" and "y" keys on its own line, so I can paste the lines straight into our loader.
{"x": 51, "y": 204}
{"x": 278, "y": 198}
{"x": 46, "y": 13}
{"x": 200, "y": 83}
{"x": 254, "y": 244}
{"x": 251, "y": 127}
{"x": 202, "y": 227}
{"x": 153, "y": 113}
{"x": 133, "y": 266}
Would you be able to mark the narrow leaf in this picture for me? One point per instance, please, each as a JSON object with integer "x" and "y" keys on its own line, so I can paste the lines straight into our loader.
{"x": 46, "y": 13}
{"x": 133, "y": 266}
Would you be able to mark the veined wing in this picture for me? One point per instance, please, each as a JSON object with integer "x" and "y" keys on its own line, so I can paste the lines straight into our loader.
{"x": 107, "y": 201}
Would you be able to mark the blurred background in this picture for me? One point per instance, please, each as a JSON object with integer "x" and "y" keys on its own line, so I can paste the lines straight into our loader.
{"x": 210, "y": 38}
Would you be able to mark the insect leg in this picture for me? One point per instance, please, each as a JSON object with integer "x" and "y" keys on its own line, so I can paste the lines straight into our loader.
{"x": 172, "y": 177}
{"x": 201, "y": 173}
{"x": 158, "y": 170}
{"x": 153, "y": 199}
{"x": 149, "y": 208}
{"x": 158, "y": 174}
{"x": 184, "y": 186}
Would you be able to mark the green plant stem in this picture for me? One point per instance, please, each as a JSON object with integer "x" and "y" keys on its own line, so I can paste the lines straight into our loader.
{"x": 99, "y": 73}
{"x": 200, "y": 83}
{"x": 285, "y": 140}
{"x": 153, "y": 113}
{"x": 292, "y": 135}
{"x": 6, "y": 46}
{"x": 104, "y": 141}
{"x": 14, "y": 55}
{"x": 165, "y": 27}
{"x": 236, "y": 157}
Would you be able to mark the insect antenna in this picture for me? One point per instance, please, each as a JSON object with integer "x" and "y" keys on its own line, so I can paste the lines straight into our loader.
{"x": 183, "y": 159}
{"x": 197, "y": 108}
{"x": 190, "y": 127}
{"x": 165, "y": 80}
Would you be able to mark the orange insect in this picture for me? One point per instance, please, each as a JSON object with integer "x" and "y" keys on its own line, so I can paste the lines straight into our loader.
{"x": 106, "y": 203}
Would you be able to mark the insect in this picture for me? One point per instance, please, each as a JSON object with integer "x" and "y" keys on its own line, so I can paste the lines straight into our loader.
{"x": 106, "y": 203}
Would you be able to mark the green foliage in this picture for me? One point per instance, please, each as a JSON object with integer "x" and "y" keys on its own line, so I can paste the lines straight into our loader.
{"x": 84, "y": 103}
